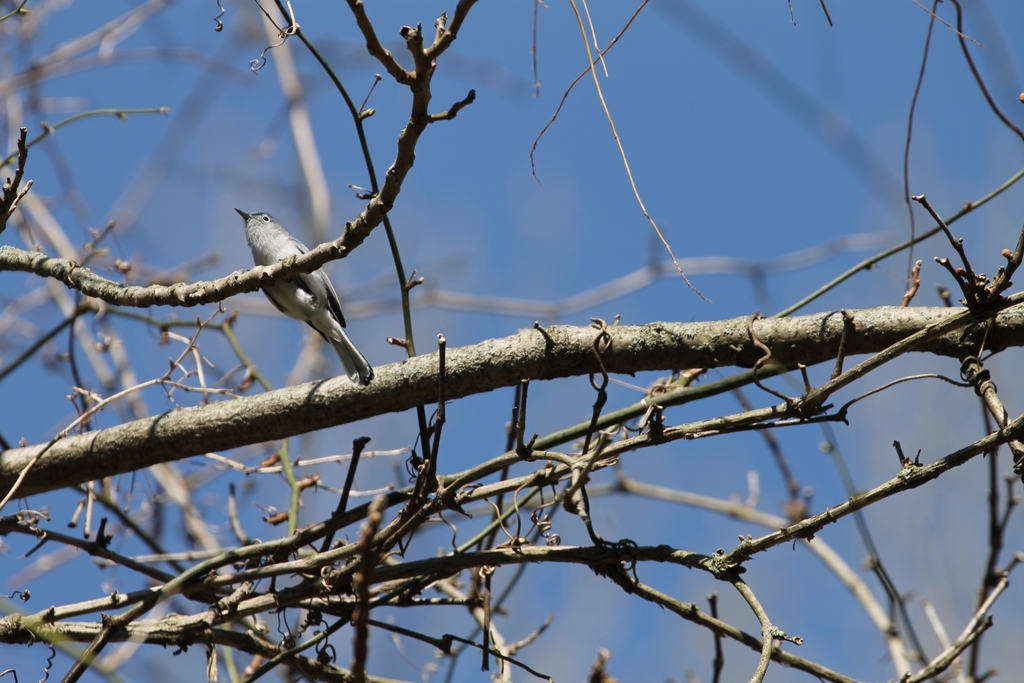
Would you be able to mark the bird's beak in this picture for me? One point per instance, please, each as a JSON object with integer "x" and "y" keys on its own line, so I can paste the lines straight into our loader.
{"x": 243, "y": 214}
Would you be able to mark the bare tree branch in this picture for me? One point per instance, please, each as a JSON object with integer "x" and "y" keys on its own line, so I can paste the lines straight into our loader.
{"x": 560, "y": 351}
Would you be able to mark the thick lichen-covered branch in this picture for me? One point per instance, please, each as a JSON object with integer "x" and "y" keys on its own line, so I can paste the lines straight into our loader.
{"x": 537, "y": 353}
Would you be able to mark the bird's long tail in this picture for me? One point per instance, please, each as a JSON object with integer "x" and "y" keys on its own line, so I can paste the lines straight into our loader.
{"x": 356, "y": 365}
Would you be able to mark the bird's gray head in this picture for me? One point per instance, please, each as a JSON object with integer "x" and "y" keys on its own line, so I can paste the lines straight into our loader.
{"x": 268, "y": 239}
{"x": 254, "y": 219}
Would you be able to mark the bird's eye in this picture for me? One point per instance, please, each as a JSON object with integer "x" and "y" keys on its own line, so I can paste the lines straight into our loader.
{"x": 266, "y": 218}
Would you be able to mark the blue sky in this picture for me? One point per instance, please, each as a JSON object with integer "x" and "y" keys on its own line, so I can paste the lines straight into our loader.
{"x": 749, "y": 141}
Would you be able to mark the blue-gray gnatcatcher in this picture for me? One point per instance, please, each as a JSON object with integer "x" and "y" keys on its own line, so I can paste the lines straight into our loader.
{"x": 307, "y": 297}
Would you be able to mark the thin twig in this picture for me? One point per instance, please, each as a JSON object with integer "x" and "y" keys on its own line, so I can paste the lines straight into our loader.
{"x": 769, "y": 632}
{"x": 622, "y": 153}
{"x": 977, "y": 76}
{"x": 915, "y": 284}
{"x": 718, "y": 663}
{"x": 358, "y": 445}
{"x": 361, "y": 581}
{"x": 910, "y": 133}
{"x": 972, "y": 631}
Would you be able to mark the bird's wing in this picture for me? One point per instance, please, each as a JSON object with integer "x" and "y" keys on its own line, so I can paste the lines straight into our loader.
{"x": 319, "y": 286}
{"x": 278, "y": 306}
{"x": 333, "y": 303}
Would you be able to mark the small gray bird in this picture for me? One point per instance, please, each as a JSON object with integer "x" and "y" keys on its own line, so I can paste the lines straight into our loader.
{"x": 307, "y": 297}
